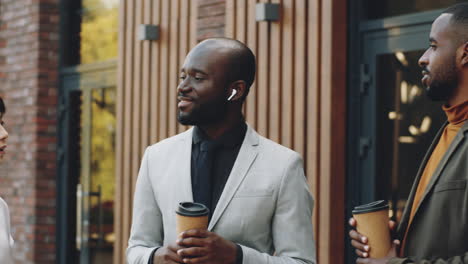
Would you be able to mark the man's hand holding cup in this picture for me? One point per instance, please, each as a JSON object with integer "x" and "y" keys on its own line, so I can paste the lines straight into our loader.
{"x": 195, "y": 243}
{"x": 372, "y": 240}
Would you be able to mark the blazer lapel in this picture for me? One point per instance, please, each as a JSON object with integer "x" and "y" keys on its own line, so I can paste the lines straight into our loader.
{"x": 183, "y": 174}
{"x": 247, "y": 154}
{"x": 406, "y": 213}
{"x": 443, "y": 162}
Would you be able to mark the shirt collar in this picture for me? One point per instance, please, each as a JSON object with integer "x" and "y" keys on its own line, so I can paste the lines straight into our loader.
{"x": 231, "y": 138}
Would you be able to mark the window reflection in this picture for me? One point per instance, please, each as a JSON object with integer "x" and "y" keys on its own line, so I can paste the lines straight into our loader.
{"x": 102, "y": 174}
{"x": 386, "y": 8}
{"x": 407, "y": 123}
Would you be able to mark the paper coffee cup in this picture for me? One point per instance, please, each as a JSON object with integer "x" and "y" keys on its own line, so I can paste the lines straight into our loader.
{"x": 191, "y": 216}
{"x": 372, "y": 222}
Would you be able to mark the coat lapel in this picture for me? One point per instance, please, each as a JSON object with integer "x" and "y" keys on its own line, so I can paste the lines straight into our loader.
{"x": 406, "y": 213}
{"x": 183, "y": 173}
{"x": 443, "y": 162}
{"x": 247, "y": 154}
{"x": 448, "y": 154}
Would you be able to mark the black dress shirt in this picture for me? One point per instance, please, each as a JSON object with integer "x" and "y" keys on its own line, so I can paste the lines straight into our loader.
{"x": 228, "y": 146}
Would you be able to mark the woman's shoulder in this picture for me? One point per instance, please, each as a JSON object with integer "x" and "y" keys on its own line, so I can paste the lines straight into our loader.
{"x": 3, "y": 205}
{"x": 5, "y": 214}
{"x": 2, "y": 202}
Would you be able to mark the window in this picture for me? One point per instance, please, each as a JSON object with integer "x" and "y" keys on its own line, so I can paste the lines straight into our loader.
{"x": 386, "y": 8}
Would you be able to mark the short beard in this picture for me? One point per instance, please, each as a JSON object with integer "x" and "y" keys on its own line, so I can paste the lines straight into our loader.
{"x": 205, "y": 114}
{"x": 444, "y": 83}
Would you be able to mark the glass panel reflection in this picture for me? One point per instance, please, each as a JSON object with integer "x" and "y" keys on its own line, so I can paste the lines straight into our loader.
{"x": 386, "y": 8}
{"x": 407, "y": 123}
{"x": 95, "y": 188}
{"x": 102, "y": 180}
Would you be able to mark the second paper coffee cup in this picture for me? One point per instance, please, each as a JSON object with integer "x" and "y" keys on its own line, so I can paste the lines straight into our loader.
{"x": 191, "y": 216}
{"x": 372, "y": 222}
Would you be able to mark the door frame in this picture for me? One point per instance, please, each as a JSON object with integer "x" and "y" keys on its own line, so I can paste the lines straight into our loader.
{"x": 361, "y": 75}
{"x": 79, "y": 79}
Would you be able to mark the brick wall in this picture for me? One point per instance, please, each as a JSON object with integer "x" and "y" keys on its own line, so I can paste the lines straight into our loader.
{"x": 28, "y": 84}
{"x": 211, "y": 19}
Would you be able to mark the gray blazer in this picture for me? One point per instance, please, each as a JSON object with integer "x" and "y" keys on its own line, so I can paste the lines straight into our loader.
{"x": 439, "y": 231}
{"x": 265, "y": 206}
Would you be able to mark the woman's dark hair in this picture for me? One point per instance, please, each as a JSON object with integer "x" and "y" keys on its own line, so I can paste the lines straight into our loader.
{"x": 2, "y": 106}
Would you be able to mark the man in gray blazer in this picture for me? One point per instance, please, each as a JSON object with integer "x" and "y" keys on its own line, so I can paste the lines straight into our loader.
{"x": 434, "y": 225}
{"x": 261, "y": 208}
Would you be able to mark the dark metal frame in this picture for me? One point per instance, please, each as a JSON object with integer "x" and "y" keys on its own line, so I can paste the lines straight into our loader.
{"x": 64, "y": 154}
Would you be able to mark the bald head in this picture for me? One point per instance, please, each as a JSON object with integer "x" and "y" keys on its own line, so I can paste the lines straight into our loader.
{"x": 239, "y": 59}
{"x": 214, "y": 82}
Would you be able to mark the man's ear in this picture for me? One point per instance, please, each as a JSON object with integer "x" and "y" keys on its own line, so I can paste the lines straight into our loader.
{"x": 464, "y": 55}
{"x": 240, "y": 87}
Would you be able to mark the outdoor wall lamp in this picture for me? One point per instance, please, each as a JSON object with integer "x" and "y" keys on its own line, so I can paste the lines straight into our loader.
{"x": 267, "y": 12}
{"x": 148, "y": 32}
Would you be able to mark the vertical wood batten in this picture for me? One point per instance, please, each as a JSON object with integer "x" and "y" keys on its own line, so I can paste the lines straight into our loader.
{"x": 332, "y": 135}
{"x": 299, "y": 76}
{"x": 173, "y": 66}
{"x": 155, "y": 75}
{"x": 127, "y": 171}
{"x": 119, "y": 182}
{"x": 313, "y": 107}
{"x": 252, "y": 43}
{"x": 263, "y": 55}
{"x": 164, "y": 80}
{"x": 192, "y": 31}
{"x": 184, "y": 43}
{"x": 136, "y": 90}
{"x": 241, "y": 19}
{"x": 240, "y": 33}
{"x": 325, "y": 184}
{"x": 230, "y": 18}
{"x": 193, "y": 22}
{"x": 145, "y": 125}
{"x": 287, "y": 84}
{"x": 274, "y": 93}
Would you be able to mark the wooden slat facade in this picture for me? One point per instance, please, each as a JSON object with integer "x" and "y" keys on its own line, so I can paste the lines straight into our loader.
{"x": 147, "y": 81}
{"x": 298, "y": 98}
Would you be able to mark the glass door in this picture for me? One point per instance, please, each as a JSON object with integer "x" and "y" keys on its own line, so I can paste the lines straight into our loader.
{"x": 96, "y": 185}
{"x": 397, "y": 121}
{"x": 86, "y": 181}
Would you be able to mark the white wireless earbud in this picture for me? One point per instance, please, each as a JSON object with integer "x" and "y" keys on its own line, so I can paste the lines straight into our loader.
{"x": 234, "y": 92}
